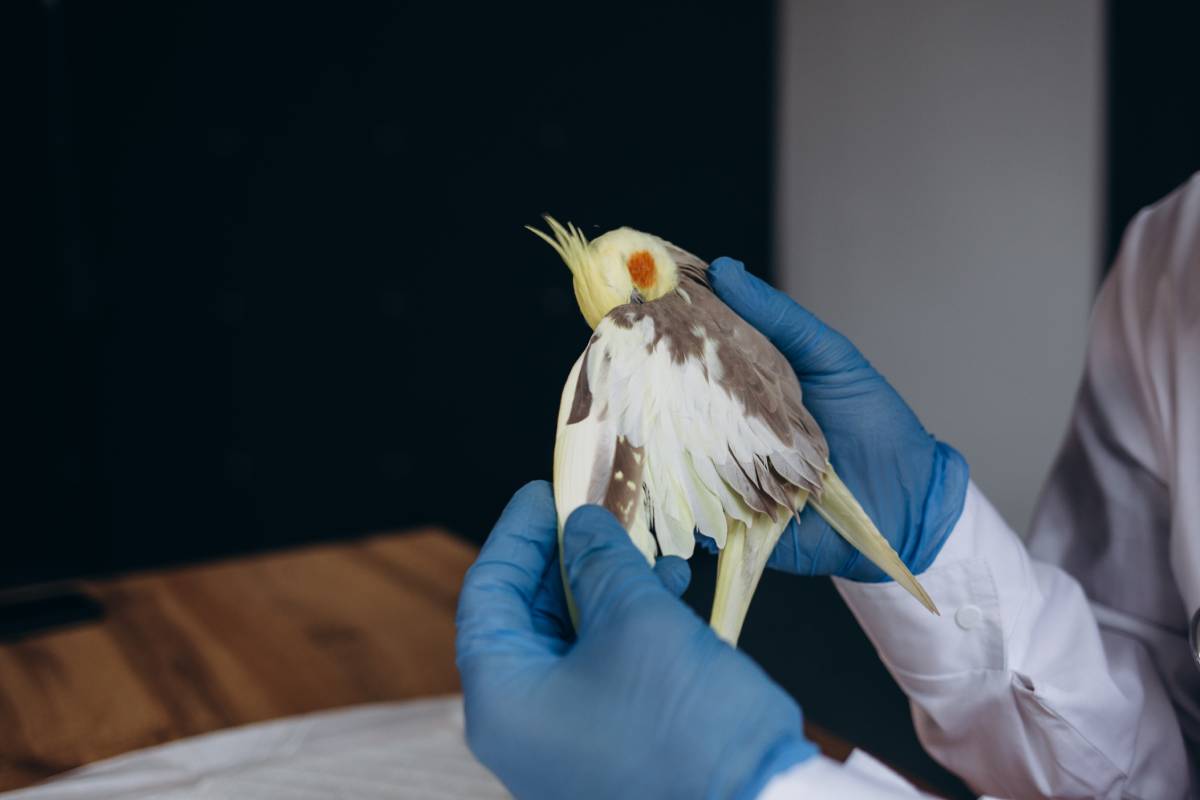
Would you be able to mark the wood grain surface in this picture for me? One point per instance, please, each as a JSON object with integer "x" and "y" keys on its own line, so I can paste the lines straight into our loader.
{"x": 190, "y": 650}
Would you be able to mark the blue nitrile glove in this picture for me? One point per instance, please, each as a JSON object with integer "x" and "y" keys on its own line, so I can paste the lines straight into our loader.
{"x": 646, "y": 702}
{"x": 911, "y": 485}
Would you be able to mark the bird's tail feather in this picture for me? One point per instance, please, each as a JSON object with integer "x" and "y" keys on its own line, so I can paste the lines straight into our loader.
{"x": 843, "y": 513}
{"x": 739, "y": 566}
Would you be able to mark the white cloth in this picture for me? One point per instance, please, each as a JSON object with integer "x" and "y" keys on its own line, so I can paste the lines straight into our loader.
{"x": 389, "y": 750}
{"x": 861, "y": 777}
{"x": 1068, "y": 673}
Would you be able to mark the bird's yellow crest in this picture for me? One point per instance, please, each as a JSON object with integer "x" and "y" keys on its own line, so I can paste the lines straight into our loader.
{"x": 618, "y": 267}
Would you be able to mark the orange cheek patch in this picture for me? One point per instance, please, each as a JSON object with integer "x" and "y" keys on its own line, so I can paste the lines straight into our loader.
{"x": 642, "y": 269}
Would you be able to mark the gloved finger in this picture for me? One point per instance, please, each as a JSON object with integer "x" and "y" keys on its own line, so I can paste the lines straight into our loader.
{"x": 810, "y": 548}
{"x": 498, "y": 591}
{"x": 674, "y": 573}
{"x": 606, "y": 571}
{"x": 811, "y": 346}
{"x": 550, "y": 615}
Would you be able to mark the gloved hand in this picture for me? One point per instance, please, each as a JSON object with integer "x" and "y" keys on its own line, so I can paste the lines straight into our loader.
{"x": 646, "y": 701}
{"x": 912, "y": 485}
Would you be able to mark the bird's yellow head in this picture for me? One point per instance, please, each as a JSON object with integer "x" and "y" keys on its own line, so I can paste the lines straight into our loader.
{"x": 618, "y": 267}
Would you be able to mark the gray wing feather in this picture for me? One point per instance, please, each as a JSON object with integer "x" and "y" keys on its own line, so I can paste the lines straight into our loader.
{"x": 790, "y": 452}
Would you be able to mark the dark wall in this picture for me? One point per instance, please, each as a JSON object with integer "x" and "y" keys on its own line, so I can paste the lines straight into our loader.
{"x": 286, "y": 292}
{"x": 1153, "y": 106}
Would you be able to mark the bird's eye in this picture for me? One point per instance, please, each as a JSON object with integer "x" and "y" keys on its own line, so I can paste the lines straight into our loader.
{"x": 642, "y": 269}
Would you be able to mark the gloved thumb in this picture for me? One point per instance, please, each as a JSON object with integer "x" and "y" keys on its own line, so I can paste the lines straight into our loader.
{"x": 811, "y": 346}
{"x": 674, "y": 573}
{"x": 608, "y": 575}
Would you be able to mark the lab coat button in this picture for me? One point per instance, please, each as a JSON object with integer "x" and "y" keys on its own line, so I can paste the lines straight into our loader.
{"x": 968, "y": 617}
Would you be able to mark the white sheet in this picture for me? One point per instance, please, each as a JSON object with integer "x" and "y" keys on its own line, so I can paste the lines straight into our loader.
{"x": 392, "y": 750}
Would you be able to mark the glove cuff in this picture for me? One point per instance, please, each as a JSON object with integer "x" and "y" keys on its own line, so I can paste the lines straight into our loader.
{"x": 782, "y": 756}
{"x": 943, "y": 506}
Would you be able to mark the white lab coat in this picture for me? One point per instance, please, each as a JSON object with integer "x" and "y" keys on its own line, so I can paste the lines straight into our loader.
{"x": 1062, "y": 669}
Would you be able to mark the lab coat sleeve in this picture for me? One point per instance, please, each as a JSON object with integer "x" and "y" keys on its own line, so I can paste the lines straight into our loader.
{"x": 1013, "y": 687}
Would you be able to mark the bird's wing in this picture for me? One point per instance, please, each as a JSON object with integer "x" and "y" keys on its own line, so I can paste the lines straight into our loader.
{"x": 706, "y": 409}
{"x": 594, "y": 463}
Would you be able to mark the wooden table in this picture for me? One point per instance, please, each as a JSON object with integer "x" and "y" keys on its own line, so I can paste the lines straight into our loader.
{"x": 190, "y": 650}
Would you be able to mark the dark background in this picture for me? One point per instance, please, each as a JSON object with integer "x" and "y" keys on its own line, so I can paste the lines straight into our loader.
{"x": 1153, "y": 106}
{"x": 287, "y": 293}
{"x": 270, "y": 282}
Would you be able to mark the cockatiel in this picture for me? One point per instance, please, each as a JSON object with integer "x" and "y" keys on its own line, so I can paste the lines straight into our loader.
{"x": 680, "y": 416}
